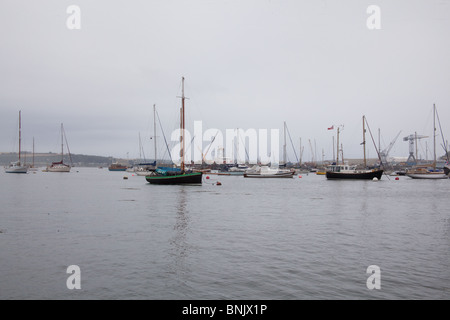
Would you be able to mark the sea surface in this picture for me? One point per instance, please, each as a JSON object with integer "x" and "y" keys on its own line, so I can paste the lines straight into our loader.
{"x": 278, "y": 239}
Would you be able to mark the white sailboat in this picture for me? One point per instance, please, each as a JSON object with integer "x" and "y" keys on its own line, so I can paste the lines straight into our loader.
{"x": 268, "y": 172}
{"x": 144, "y": 169}
{"x": 60, "y": 166}
{"x": 32, "y": 167}
{"x": 17, "y": 166}
{"x": 421, "y": 172}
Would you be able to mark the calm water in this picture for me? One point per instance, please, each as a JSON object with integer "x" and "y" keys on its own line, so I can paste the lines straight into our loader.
{"x": 305, "y": 238}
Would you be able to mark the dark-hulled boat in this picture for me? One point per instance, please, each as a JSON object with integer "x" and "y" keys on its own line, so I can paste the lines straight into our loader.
{"x": 350, "y": 172}
{"x": 174, "y": 177}
{"x": 181, "y": 176}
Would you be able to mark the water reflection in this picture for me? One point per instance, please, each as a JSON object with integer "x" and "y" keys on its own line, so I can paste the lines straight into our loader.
{"x": 179, "y": 245}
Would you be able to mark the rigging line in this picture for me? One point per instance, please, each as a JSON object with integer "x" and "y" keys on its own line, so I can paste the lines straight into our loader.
{"x": 209, "y": 147}
{"x": 67, "y": 144}
{"x": 245, "y": 148}
{"x": 379, "y": 156}
{"x": 141, "y": 148}
{"x": 444, "y": 145}
{"x": 292, "y": 144}
{"x": 160, "y": 125}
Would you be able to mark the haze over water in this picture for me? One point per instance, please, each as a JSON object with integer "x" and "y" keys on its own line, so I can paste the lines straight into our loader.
{"x": 287, "y": 239}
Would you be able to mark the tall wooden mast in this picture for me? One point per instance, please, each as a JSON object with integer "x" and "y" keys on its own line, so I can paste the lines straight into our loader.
{"x": 284, "y": 145}
{"x": 364, "y": 141}
{"x": 434, "y": 135}
{"x": 337, "y": 147}
{"x": 20, "y": 134}
{"x": 182, "y": 124}
{"x": 62, "y": 143}
{"x": 154, "y": 129}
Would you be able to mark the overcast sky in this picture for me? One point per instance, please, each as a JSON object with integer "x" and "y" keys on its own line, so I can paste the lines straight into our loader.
{"x": 247, "y": 64}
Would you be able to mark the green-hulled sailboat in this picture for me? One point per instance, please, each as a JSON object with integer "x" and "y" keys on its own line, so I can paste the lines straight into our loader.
{"x": 164, "y": 176}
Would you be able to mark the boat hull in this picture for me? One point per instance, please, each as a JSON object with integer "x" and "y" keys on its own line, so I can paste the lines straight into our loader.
{"x": 16, "y": 170}
{"x": 58, "y": 169}
{"x": 428, "y": 176}
{"x": 187, "y": 178}
{"x": 276, "y": 175}
{"x": 369, "y": 175}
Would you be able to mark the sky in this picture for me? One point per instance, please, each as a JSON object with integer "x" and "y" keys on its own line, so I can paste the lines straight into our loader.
{"x": 247, "y": 64}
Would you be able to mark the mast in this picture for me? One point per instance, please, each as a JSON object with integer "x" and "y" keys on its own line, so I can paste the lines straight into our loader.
{"x": 337, "y": 147}
{"x": 334, "y": 156}
{"x": 434, "y": 135}
{"x": 379, "y": 140}
{"x": 284, "y": 145}
{"x": 62, "y": 144}
{"x": 315, "y": 152}
{"x": 301, "y": 153}
{"x": 154, "y": 129}
{"x": 364, "y": 141}
{"x": 417, "y": 150}
{"x": 33, "y": 153}
{"x": 182, "y": 124}
{"x": 20, "y": 133}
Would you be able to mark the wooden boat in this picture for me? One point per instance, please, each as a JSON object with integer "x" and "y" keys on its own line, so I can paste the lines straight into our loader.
{"x": 186, "y": 177}
{"x": 166, "y": 177}
{"x": 117, "y": 167}
{"x": 17, "y": 166}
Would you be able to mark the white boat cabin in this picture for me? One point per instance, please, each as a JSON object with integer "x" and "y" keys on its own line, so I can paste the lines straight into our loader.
{"x": 344, "y": 168}
{"x": 341, "y": 168}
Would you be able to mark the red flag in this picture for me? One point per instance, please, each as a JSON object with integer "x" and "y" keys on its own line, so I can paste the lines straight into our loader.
{"x": 331, "y": 128}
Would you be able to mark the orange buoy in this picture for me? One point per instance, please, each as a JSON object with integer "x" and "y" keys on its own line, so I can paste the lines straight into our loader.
{"x": 397, "y": 178}
{"x": 300, "y": 177}
{"x": 207, "y": 177}
{"x": 218, "y": 183}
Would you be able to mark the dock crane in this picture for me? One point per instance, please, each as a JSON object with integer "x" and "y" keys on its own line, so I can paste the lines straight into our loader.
{"x": 412, "y": 139}
{"x": 384, "y": 153}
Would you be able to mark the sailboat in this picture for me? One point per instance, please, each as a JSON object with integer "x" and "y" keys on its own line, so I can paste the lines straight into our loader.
{"x": 144, "y": 169}
{"x": 345, "y": 171}
{"x": 18, "y": 167}
{"x": 162, "y": 176}
{"x": 268, "y": 172}
{"x": 60, "y": 166}
{"x": 421, "y": 172}
{"x": 272, "y": 171}
{"x": 32, "y": 167}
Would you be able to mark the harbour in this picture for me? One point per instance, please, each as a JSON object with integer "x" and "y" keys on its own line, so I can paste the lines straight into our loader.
{"x": 286, "y": 239}
{"x": 224, "y": 155}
